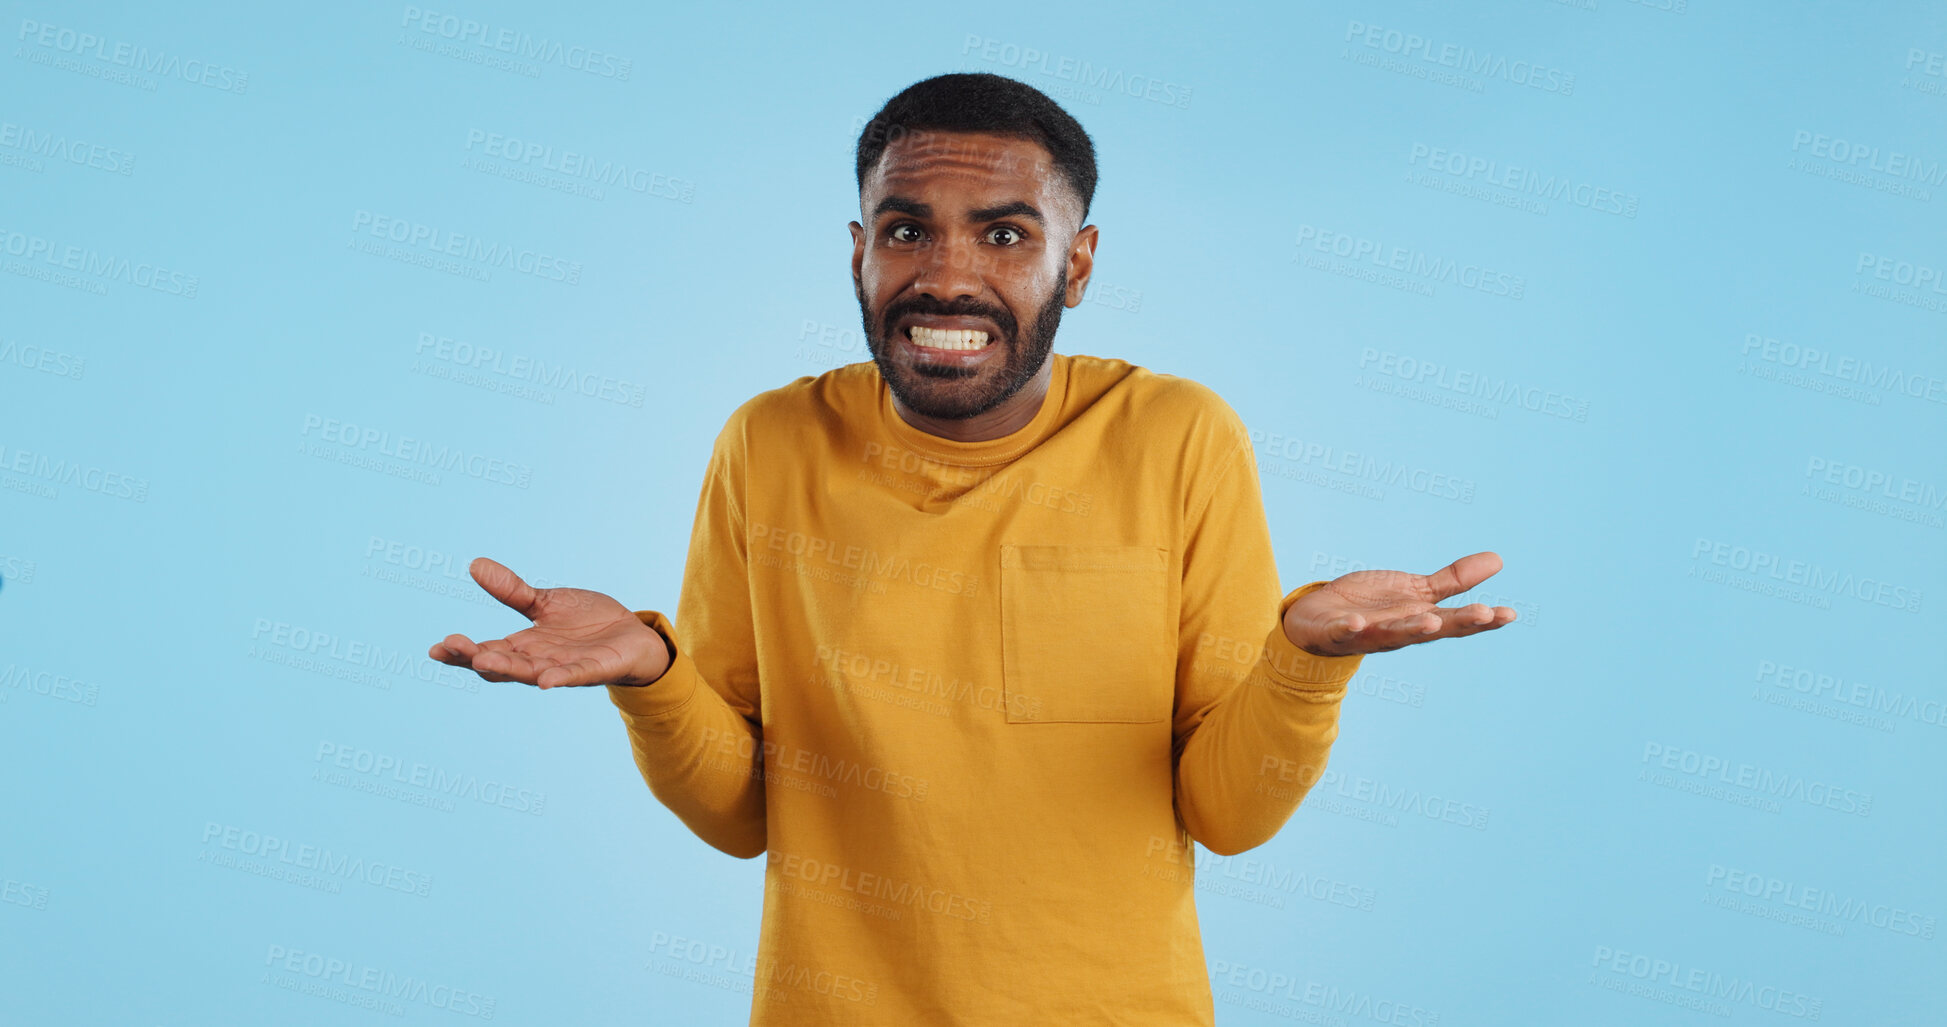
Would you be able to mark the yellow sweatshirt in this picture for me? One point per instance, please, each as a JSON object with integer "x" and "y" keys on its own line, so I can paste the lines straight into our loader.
{"x": 971, "y": 701}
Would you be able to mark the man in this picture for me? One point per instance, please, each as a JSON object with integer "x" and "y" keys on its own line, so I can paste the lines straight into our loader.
{"x": 975, "y": 638}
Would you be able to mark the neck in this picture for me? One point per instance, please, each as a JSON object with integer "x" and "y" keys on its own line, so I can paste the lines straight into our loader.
{"x": 1011, "y": 416}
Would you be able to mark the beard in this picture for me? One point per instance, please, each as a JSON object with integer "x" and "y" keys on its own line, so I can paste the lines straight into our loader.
{"x": 955, "y": 393}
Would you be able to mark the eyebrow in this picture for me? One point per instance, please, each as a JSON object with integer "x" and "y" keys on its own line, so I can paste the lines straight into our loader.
{"x": 1016, "y": 208}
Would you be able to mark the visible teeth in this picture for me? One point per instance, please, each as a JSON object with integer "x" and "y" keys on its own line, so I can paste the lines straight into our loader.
{"x": 958, "y": 338}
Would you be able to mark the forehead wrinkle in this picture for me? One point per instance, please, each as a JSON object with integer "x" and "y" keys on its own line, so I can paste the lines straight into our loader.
{"x": 994, "y": 188}
{"x": 952, "y": 154}
{"x": 949, "y": 152}
{"x": 954, "y": 168}
{"x": 1005, "y": 171}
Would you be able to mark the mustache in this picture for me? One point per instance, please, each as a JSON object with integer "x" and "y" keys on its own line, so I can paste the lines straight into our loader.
{"x": 928, "y": 305}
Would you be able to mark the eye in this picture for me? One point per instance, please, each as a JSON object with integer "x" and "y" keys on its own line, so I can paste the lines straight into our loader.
{"x": 1010, "y": 235}
{"x": 904, "y": 226}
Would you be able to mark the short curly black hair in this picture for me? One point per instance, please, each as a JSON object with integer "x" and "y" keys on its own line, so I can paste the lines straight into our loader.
{"x": 983, "y": 102}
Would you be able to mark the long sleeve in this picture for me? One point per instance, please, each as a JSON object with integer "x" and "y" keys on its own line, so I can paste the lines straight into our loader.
{"x": 1256, "y": 716}
{"x": 696, "y": 731}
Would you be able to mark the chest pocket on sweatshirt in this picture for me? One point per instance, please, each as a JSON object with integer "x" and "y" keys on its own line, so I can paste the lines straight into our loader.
{"x": 1088, "y": 634}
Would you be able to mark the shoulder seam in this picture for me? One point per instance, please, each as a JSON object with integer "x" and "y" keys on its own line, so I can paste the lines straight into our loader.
{"x": 1197, "y": 508}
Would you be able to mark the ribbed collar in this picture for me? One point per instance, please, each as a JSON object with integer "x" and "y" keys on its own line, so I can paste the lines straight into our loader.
{"x": 979, "y": 454}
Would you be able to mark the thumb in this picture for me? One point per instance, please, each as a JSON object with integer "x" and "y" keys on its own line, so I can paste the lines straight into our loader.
{"x": 503, "y": 584}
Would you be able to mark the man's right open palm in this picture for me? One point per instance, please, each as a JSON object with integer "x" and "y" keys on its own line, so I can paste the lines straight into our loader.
{"x": 578, "y": 638}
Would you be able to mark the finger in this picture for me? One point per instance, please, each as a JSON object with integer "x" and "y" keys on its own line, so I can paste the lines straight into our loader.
{"x": 584, "y": 671}
{"x": 1345, "y": 627}
{"x": 513, "y": 666}
{"x": 1376, "y": 623}
{"x": 1497, "y": 616}
{"x": 494, "y": 668}
{"x": 457, "y": 650}
{"x": 503, "y": 584}
{"x": 1462, "y": 574}
{"x": 1397, "y": 632}
{"x": 1354, "y": 633}
{"x": 1446, "y": 622}
{"x": 1411, "y": 627}
{"x": 1464, "y": 616}
{"x": 1472, "y": 618}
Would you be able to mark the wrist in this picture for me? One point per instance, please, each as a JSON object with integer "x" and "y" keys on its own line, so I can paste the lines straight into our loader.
{"x": 1305, "y": 643}
{"x": 1291, "y": 626}
{"x": 657, "y": 658}
{"x": 1297, "y": 632}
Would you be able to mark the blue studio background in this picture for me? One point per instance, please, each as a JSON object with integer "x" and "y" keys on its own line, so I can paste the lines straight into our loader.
{"x": 1645, "y": 296}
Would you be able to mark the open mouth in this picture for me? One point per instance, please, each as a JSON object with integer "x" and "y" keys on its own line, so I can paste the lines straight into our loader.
{"x": 956, "y": 340}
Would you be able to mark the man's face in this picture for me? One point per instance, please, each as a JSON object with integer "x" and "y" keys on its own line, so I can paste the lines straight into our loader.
{"x": 971, "y": 246}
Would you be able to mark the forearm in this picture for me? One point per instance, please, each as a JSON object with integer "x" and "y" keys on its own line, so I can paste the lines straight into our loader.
{"x": 1250, "y": 762}
{"x": 699, "y": 756}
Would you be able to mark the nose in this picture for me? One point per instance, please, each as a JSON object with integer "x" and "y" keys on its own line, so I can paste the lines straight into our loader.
{"x": 950, "y": 269}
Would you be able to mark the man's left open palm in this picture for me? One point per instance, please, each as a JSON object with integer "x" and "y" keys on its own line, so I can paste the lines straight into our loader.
{"x": 1377, "y": 611}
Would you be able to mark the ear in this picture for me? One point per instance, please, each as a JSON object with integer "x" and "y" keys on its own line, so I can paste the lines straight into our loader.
{"x": 858, "y": 254}
{"x": 1081, "y": 264}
